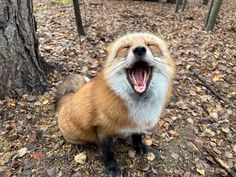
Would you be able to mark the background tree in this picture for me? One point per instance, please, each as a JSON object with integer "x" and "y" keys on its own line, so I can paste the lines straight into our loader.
{"x": 212, "y": 14}
{"x": 78, "y": 18}
{"x": 21, "y": 66}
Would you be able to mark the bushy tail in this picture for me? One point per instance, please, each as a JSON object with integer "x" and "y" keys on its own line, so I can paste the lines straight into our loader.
{"x": 70, "y": 85}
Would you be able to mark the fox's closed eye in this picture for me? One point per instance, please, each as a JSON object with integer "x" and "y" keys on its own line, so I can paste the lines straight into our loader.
{"x": 125, "y": 47}
{"x": 154, "y": 49}
{"x": 123, "y": 51}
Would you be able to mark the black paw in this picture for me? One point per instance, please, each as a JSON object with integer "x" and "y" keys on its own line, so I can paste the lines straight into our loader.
{"x": 140, "y": 148}
{"x": 113, "y": 170}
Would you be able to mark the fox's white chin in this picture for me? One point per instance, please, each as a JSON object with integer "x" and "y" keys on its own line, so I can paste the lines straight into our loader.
{"x": 144, "y": 106}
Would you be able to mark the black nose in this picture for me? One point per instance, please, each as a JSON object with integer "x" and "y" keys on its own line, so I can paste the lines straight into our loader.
{"x": 139, "y": 51}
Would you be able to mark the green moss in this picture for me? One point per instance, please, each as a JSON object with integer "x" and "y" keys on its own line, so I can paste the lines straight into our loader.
{"x": 63, "y": 1}
{"x": 39, "y": 9}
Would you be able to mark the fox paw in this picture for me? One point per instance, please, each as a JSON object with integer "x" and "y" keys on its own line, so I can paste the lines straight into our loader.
{"x": 140, "y": 148}
{"x": 113, "y": 171}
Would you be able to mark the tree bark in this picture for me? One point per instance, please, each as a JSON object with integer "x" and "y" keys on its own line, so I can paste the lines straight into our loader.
{"x": 21, "y": 66}
{"x": 212, "y": 14}
{"x": 78, "y": 18}
{"x": 183, "y": 5}
{"x": 178, "y": 4}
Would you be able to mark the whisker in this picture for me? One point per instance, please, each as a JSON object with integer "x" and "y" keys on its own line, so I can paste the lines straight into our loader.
{"x": 126, "y": 60}
{"x": 158, "y": 61}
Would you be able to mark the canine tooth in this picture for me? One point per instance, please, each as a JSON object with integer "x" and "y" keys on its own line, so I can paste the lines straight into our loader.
{"x": 145, "y": 75}
{"x": 132, "y": 74}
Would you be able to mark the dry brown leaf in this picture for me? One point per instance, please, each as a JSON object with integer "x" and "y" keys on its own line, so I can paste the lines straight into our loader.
{"x": 132, "y": 153}
{"x": 228, "y": 155}
{"x": 201, "y": 171}
{"x": 21, "y": 152}
{"x": 150, "y": 156}
{"x": 81, "y": 158}
{"x": 173, "y": 133}
{"x": 217, "y": 78}
{"x": 38, "y": 156}
{"x": 148, "y": 141}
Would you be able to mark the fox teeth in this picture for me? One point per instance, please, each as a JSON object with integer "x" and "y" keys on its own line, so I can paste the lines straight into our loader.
{"x": 145, "y": 75}
{"x": 132, "y": 74}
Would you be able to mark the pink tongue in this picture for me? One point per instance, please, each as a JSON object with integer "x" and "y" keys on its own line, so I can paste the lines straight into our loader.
{"x": 140, "y": 85}
{"x": 139, "y": 77}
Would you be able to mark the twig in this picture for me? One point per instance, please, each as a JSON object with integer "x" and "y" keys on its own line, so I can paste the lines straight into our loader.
{"x": 220, "y": 162}
{"x": 209, "y": 87}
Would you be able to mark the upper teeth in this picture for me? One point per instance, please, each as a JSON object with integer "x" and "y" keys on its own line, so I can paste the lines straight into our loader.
{"x": 145, "y": 76}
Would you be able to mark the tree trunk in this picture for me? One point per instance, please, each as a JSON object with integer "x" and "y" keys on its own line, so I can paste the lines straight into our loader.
{"x": 21, "y": 67}
{"x": 178, "y": 4}
{"x": 78, "y": 18}
{"x": 184, "y": 5}
{"x": 212, "y": 15}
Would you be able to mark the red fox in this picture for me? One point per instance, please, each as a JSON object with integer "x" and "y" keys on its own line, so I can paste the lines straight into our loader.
{"x": 126, "y": 97}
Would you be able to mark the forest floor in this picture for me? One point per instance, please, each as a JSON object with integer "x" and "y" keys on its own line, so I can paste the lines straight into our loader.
{"x": 196, "y": 135}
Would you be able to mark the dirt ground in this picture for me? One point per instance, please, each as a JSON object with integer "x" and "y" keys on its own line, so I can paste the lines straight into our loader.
{"x": 196, "y": 135}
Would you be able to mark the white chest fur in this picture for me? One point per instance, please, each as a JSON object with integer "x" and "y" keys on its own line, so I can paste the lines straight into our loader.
{"x": 144, "y": 110}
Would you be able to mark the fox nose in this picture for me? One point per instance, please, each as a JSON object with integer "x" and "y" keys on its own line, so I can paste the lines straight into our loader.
{"x": 139, "y": 51}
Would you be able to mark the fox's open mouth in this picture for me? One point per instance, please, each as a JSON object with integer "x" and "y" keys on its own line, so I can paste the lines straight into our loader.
{"x": 139, "y": 76}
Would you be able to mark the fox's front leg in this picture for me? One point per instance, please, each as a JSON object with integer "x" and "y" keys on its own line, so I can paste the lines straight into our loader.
{"x": 138, "y": 144}
{"x": 111, "y": 167}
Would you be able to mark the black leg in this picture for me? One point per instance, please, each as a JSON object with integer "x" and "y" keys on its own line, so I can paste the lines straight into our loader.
{"x": 138, "y": 144}
{"x": 106, "y": 145}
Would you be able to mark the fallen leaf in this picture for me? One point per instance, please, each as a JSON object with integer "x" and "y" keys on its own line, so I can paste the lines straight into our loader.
{"x": 234, "y": 148}
{"x": 146, "y": 168}
{"x": 132, "y": 153}
{"x": 217, "y": 78}
{"x": 175, "y": 156}
{"x": 214, "y": 115}
{"x": 189, "y": 174}
{"x": 173, "y": 133}
{"x": 209, "y": 132}
{"x": 38, "y": 156}
{"x": 228, "y": 154}
{"x": 194, "y": 113}
{"x": 150, "y": 156}
{"x": 148, "y": 141}
{"x": 225, "y": 129}
{"x": 45, "y": 102}
{"x": 174, "y": 117}
{"x": 190, "y": 120}
{"x": 216, "y": 150}
{"x": 161, "y": 122}
{"x": 53, "y": 172}
{"x": 21, "y": 152}
{"x": 201, "y": 171}
{"x": 81, "y": 158}
{"x": 154, "y": 171}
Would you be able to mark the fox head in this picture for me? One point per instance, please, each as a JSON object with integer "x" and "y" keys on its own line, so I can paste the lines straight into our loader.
{"x": 138, "y": 64}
